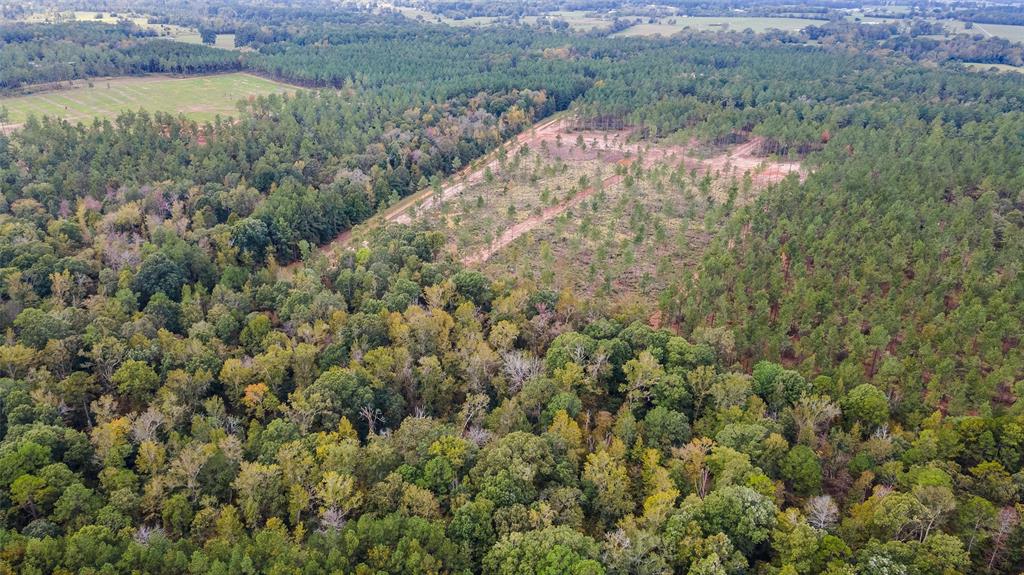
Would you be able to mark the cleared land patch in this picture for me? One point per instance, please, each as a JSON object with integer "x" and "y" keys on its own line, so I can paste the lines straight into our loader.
{"x": 669, "y": 26}
{"x": 598, "y": 211}
{"x": 984, "y": 67}
{"x": 1007, "y": 31}
{"x": 200, "y": 98}
{"x": 426, "y": 16}
{"x": 405, "y": 210}
{"x": 576, "y": 19}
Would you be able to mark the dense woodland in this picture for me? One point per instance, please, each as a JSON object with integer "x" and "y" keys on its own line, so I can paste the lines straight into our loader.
{"x": 834, "y": 389}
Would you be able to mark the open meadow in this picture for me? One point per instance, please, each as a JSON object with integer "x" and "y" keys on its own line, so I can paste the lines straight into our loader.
{"x": 200, "y": 98}
{"x": 985, "y": 67}
{"x": 1007, "y": 31}
{"x": 669, "y": 26}
{"x": 577, "y": 19}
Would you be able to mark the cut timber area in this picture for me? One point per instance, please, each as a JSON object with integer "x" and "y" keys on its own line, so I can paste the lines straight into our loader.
{"x": 552, "y": 176}
{"x": 737, "y": 161}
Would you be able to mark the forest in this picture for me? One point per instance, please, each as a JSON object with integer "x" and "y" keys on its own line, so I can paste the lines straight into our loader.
{"x": 44, "y": 53}
{"x": 188, "y": 384}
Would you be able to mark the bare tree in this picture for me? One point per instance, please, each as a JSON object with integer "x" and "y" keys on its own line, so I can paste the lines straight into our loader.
{"x": 145, "y": 426}
{"x": 1005, "y": 523}
{"x": 189, "y": 463}
{"x": 822, "y": 512}
{"x": 477, "y": 435}
{"x": 597, "y": 365}
{"x": 475, "y": 405}
{"x": 145, "y": 532}
{"x": 332, "y": 519}
{"x": 578, "y": 354}
{"x": 811, "y": 415}
{"x": 520, "y": 367}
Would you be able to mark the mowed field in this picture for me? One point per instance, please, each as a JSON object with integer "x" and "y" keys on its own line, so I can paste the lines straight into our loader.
{"x": 1009, "y": 32}
{"x": 199, "y": 98}
{"x": 430, "y": 17}
{"x": 577, "y": 19}
{"x": 982, "y": 66}
{"x": 669, "y": 26}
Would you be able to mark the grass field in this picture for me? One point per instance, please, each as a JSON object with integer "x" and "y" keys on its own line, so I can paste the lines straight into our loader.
{"x": 430, "y": 17}
{"x": 199, "y": 98}
{"x": 224, "y": 41}
{"x": 577, "y": 19}
{"x": 669, "y": 26}
{"x": 1000, "y": 67}
{"x": 1011, "y": 33}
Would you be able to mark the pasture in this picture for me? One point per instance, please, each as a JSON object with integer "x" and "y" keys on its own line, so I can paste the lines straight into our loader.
{"x": 200, "y": 98}
{"x": 984, "y": 67}
{"x": 430, "y": 17}
{"x": 669, "y": 26}
{"x": 577, "y": 19}
{"x": 1011, "y": 33}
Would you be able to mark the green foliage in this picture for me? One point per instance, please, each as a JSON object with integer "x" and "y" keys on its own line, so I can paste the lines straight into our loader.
{"x": 136, "y": 381}
{"x": 866, "y": 403}
{"x": 837, "y": 392}
{"x": 801, "y": 470}
{"x": 549, "y": 551}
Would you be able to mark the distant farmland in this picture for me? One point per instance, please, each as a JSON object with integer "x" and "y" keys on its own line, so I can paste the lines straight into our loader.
{"x": 199, "y": 98}
{"x": 169, "y": 31}
{"x": 669, "y": 26}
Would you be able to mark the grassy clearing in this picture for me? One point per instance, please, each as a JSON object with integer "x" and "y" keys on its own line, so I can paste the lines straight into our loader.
{"x": 577, "y": 19}
{"x": 1009, "y": 32}
{"x": 669, "y": 26}
{"x": 199, "y": 98}
{"x": 981, "y": 66}
{"x": 430, "y": 17}
{"x": 168, "y": 30}
{"x": 1012, "y": 33}
{"x": 224, "y": 41}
